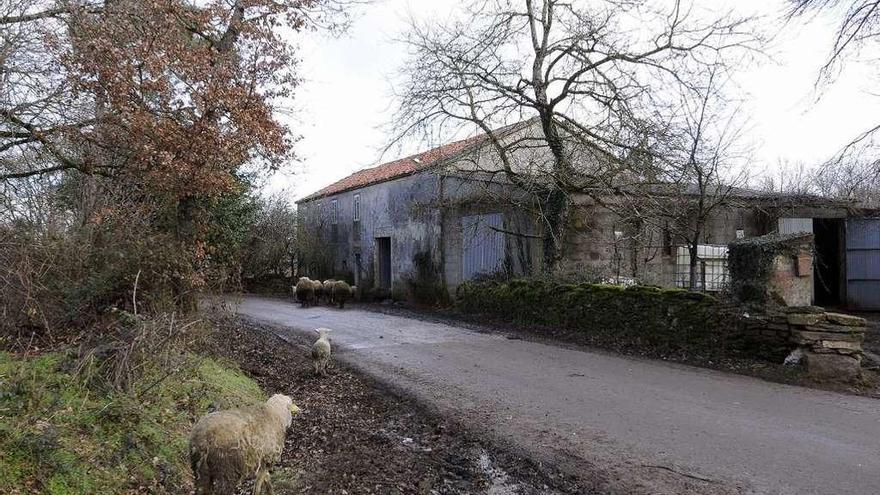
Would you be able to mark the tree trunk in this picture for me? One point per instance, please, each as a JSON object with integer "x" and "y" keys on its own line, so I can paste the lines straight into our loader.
{"x": 184, "y": 293}
{"x": 693, "y": 251}
{"x": 554, "y": 229}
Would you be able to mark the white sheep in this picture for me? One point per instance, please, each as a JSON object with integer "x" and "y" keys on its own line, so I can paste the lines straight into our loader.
{"x": 321, "y": 351}
{"x": 227, "y": 446}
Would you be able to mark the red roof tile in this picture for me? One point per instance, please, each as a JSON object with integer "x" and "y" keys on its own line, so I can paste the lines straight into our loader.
{"x": 402, "y": 167}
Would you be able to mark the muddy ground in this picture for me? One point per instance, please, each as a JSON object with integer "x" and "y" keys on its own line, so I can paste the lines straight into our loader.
{"x": 353, "y": 436}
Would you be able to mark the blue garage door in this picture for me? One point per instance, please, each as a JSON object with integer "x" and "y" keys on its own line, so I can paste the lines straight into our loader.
{"x": 482, "y": 245}
{"x": 863, "y": 263}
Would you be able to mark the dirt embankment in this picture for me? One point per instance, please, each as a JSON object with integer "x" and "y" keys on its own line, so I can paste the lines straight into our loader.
{"x": 354, "y": 437}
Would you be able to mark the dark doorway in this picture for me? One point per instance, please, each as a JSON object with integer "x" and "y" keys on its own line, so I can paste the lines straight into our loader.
{"x": 383, "y": 253}
{"x": 828, "y": 264}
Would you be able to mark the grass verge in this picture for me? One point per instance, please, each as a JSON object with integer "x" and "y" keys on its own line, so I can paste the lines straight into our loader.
{"x": 59, "y": 434}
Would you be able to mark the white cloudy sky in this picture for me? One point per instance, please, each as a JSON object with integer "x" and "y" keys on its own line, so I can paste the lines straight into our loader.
{"x": 342, "y": 105}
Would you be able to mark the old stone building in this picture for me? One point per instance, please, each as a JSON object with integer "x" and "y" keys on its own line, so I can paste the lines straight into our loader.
{"x": 427, "y": 222}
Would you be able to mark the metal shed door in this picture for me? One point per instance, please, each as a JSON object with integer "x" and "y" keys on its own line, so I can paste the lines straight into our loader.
{"x": 482, "y": 246}
{"x": 863, "y": 263}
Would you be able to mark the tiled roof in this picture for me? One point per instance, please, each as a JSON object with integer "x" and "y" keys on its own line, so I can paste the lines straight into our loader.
{"x": 404, "y": 166}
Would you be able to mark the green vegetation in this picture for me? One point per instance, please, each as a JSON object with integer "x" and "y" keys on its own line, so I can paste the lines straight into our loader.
{"x": 665, "y": 320}
{"x": 62, "y": 434}
{"x": 750, "y": 262}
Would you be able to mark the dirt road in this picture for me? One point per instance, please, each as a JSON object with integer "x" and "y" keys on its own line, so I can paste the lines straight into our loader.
{"x": 632, "y": 426}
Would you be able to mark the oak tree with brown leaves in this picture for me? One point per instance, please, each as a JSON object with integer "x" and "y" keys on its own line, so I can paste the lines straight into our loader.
{"x": 169, "y": 97}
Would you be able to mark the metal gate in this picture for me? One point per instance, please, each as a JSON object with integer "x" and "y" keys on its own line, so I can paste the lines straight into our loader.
{"x": 482, "y": 245}
{"x": 863, "y": 263}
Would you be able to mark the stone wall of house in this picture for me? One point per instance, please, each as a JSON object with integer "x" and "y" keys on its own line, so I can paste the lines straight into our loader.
{"x": 644, "y": 250}
{"x": 792, "y": 279}
{"x": 404, "y": 210}
{"x": 522, "y": 240}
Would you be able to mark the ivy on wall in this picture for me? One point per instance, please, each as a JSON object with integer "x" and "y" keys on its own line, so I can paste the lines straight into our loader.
{"x": 750, "y": 264}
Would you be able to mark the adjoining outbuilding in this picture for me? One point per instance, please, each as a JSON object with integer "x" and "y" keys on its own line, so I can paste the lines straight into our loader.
{"x": 421, "y": 225}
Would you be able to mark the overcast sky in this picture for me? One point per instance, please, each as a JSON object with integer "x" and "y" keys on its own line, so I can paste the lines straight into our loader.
{"x": 346, "y": 98}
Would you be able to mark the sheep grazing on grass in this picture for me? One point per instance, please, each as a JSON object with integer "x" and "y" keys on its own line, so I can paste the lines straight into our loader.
{"x": 341, "y": 293}
{"x": 225, "y": 447}
{"x": 321, "y": 351}
{"x": 305, "y": 291}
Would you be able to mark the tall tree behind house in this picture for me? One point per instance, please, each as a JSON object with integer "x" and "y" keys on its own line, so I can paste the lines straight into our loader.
{"x": 593, "y": 76}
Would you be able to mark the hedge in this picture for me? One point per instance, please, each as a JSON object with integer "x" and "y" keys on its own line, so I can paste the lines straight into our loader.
{"x": 662, "y": 319}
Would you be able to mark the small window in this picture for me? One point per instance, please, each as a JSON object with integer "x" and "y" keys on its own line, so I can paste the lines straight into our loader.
{"x": 334, "y": 211}
{"x": 357, "y": 207}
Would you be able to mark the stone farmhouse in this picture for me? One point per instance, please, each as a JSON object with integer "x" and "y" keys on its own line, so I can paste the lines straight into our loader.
{"x": 433, "y": 220}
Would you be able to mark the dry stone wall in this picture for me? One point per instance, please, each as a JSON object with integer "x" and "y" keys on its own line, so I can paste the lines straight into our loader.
{"x": 828, "y": 344}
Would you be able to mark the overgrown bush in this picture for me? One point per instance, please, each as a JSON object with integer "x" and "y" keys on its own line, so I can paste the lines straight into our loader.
{"x": 750, "y": 264}
{"x": 424, "y": 284}
{"x": 663, "y": 319}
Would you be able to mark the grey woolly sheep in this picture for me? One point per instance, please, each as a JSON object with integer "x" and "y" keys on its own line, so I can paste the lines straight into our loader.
{"x": 354, "y": 291}
{"x": 305, "y": 291}
{"x": 341, "y": 293}
{"x": 319, "y": 290}
{"x": 321, "y": 351}
{"x": 225, "y": 447}
{"x": 328, "y": 290}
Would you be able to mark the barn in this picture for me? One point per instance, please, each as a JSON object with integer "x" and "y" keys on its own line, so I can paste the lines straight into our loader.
{"x": 425, "y": 223}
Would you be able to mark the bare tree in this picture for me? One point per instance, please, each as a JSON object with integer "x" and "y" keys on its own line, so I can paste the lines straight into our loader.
{"x": 853, "y": 179}
{"x": 591, "y": 76}
{"x": 272, "y": 238}
{"x": 858, "y": 28}
{"x": 695, "y": 169}
{"x": 790, "y": 178}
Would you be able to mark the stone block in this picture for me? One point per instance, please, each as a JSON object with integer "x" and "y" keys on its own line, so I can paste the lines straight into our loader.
{"x": 805, "y": 309}
{"x": 832, "y": 367}
{"x": 838, "y": 344}
{"x": 846, "y": 320}
{"x": 804, "y": 319}
{"x": 831, "y": 328}
{"x": 803, "y": 336}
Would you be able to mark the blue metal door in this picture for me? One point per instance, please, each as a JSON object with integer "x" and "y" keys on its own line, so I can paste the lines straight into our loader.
{"x": 863, "y": 263}
{"x": 482, "y": 245}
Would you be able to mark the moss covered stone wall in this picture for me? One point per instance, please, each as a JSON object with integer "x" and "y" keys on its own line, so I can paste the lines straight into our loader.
{"x": 663, "y": 319}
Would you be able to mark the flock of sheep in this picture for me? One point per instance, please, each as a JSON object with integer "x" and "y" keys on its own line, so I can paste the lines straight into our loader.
{"x": 310, "y": 292}
{"x": 226, "y": 447}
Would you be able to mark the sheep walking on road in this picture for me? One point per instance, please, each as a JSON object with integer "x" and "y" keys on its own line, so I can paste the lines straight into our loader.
{"x": 225, "y": 447}
{"x": 321, "y": 351}
{"x": 319, "y": 290}
{"x": 305, "y": 291}
{"x": 341, "y": 293}
{"x": 328, "y": 290}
